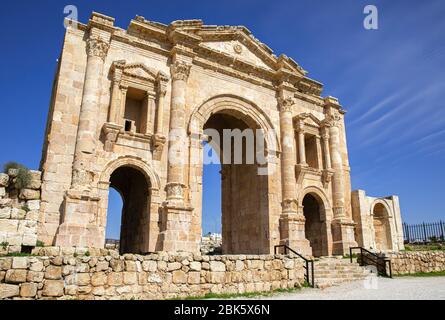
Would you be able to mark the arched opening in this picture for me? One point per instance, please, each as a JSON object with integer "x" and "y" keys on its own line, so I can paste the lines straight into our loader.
{"x": 381, "y": 227}
{"x": 134, "y": 189}
{"x": 244, "y": 193}
{"x": 315, "y": 228}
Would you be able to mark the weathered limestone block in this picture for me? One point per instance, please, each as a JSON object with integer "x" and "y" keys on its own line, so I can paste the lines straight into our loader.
{"x": 150, "y": 266}
{"x": 217, "y": 266}
{"x": 53, "y": 288}
{"x": 2, "y": 192}
{"x": 82, "y": 279}
{"x": 194, "y": 277}
{"x": 35, "y": 181}
{"x": 174, "y": 266}
{"x": 179, "y": 276}
{"x": 35, "y": 276}
{"x": 33, "y": 204}
{"x": 53, "y": 273}
{"x": 99, "y": 279}
{"x": 8, "y": 290}
{"x": 29, "y": 240}
{"x": 130, "y": 277}
{"x": 115, "y": 279}
{"x": 28, "y": 290}
{"x": 4, "y": 180}
{"x": 29, "y": 194}
{"x": 195, "y": 266}
{"x": 102, "y": 266}
{"x": 5, "y": 213}
{"x": 19, "y": 262}
{"x": 15, "y": 276}
{"x": 18, "y": 214}
{"x": 8, "y": 226}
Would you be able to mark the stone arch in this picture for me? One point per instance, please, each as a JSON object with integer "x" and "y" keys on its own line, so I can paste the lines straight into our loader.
{"x": 238, "y": 235}
{"x": 239, "y": 107}
{"x": 141, "y": 230}
{"x": 133, "y": 162}
{"x": 317, "y": 212}
{"x": 381, "y": 214}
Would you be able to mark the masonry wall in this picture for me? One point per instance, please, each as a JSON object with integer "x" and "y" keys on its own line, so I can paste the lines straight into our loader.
{"x": 412, "y": 262}
{"x": 19, "y": 212}
{"x": 157, "y": 276}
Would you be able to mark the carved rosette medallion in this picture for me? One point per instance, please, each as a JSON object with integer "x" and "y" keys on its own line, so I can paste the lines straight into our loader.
{"x": 180, "y": 70}
{"x": 97, "y": 48}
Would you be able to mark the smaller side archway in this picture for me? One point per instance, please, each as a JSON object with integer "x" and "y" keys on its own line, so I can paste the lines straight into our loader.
{"x": 382, "y": 227}
{"x": 316, "y": 211}
{"x": 138, "y": 186}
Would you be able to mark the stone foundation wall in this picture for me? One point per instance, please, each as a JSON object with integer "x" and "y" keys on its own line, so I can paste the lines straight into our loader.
{"x": 155, "y": 276}
{"x": 420, "y": 261}
{"x": 19, "y": 212}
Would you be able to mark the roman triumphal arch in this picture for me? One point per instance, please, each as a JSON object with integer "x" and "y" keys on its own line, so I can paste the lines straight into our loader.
{"x": 133, "y": 110}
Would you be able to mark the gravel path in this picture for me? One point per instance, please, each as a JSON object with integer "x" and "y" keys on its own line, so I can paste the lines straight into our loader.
{"x": 411, "y": 288}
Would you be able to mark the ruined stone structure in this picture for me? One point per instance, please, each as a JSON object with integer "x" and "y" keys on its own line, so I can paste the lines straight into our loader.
{"x": 123, "y": 98}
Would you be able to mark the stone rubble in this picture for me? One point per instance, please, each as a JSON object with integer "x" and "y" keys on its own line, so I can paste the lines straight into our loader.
{"x": 19, "y": 212}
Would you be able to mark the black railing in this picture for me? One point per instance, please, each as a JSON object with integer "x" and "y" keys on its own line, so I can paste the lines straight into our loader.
{"x": 424, "y": 232}
{"x": 366, "y": 258}
{"x": 309, "y": 264}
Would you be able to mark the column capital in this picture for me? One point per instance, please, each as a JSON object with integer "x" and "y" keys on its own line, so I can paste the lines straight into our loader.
{"x": 180, "y": 70}
{"x": 332, "y": 120}
{"x": 97, "y": 47}
{"x": 285, "y": 104}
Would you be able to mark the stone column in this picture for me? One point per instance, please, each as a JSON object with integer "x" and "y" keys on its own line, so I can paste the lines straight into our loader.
{"x": 326, "y": 152}
{"x": 121, "y": 119}
{"x": 342, "y": 226}
{"x": 175, "y": 176}
{"x": 180, "y": 230}
{"x": 291, "y": 219}
{"x": 150, "y": 105}
{"x": 115, "y": 101}
{"x": 86, "y": 133}
{"x": 79, "y": 227}
{"x": 301, "y": 146}
{"x": 319, "y": 153}
{"x": 337, "y": 165}
{"x": 162, "y": 80}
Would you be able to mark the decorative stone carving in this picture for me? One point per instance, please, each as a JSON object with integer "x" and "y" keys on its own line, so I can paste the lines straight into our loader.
{"x": 82, "y": 179}
{"x": 289, "y": 205}
{"x": 285, "y": 104}
{"x": 180, "y": 70}
{"x": 158, "y": 142}
{"x": 332, "y": 120}
{"x": 111, "y": 132}
{"x": 97, "y": 48}
{"x": 175, "y": 190}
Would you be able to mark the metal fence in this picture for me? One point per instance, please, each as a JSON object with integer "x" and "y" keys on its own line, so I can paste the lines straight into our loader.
{"x": 424, "y": 232}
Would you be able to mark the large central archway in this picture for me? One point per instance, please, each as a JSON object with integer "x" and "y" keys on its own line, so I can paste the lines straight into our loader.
{"x": 244, "y": 191}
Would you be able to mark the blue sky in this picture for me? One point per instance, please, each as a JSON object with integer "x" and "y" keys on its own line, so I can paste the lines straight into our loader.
{"x": 391, "y": 81}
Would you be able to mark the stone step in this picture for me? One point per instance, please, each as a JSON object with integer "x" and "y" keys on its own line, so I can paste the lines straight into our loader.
{"x": 332, "y": 271}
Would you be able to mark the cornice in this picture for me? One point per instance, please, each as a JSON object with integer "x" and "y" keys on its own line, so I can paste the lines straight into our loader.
{"x": 186, "y": 37}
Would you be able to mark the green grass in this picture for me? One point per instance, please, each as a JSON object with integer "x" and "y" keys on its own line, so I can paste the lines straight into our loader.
{"x": 18, "y": 254}
{"x": 242, "y": 295}
{"x": 423, "y": 274}
{"x": 424, "y": 247}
